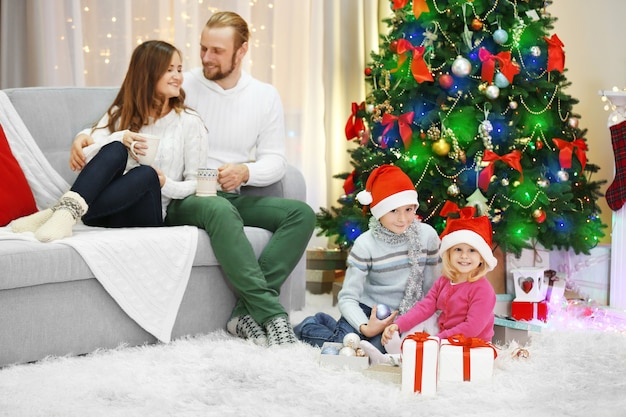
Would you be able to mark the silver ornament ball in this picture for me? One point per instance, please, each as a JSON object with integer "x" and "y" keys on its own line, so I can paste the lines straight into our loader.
{"x": 461, "y": 67}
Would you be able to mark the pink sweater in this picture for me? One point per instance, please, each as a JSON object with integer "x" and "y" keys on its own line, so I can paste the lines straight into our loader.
{"x": 466, "y": 308}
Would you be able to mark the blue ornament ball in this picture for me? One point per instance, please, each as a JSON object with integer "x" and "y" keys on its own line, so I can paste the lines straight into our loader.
{"x": 382, "y": 311}
{"x": 330, "y": 350}
{"x": 500, "y": 36}
{"x": 501, "y": 81}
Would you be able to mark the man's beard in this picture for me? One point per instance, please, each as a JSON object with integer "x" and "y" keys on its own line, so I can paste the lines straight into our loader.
{"x": 220, "y": 75}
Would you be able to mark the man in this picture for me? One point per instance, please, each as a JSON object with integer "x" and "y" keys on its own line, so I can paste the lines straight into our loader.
{"x": 244, "y": 117}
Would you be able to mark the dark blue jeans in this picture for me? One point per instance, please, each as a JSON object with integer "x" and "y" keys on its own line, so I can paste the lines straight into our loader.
{"x": 115, "y": 199}
{"x": 320, "y": 328}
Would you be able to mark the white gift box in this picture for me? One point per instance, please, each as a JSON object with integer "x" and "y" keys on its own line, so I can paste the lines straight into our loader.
{"x": 355, "y": 363}
{"x": 420, "y": 353}
{"x": 465, "y": 363}
{"x": 529, "y": 284}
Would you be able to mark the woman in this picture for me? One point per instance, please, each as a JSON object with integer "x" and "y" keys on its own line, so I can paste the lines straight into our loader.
{"x": 113, "y": 189}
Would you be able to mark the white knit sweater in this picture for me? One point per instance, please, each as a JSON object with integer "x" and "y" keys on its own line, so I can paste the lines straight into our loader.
{"x": 184, "y": 139}
{"x": 246, "y": 124}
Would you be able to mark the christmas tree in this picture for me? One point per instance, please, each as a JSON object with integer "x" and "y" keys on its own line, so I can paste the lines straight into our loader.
{"x": 468, "y": 98}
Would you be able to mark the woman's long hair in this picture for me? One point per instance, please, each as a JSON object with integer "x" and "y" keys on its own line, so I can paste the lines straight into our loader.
{"x": 137, "y": 98}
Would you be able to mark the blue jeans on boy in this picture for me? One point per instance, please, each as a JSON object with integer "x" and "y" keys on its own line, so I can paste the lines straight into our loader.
{"x": 315, "y": 330}
{"x": 115, "y": 199}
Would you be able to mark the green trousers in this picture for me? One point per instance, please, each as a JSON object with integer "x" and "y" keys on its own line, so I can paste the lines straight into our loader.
{"x": 257, "y": 282}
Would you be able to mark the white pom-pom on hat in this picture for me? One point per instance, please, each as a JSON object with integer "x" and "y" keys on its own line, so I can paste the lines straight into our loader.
{"x": 364, "y": 197}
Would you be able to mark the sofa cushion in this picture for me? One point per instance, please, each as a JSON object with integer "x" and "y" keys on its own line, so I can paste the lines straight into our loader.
{"x": 57, "y": 262}
{"x": 16, "y": 197}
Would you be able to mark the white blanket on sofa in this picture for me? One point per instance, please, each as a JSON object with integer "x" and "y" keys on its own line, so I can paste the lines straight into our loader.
{"x": 145, "y": 270}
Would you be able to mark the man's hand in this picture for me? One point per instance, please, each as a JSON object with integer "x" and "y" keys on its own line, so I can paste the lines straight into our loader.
{"x": 232, "y": 176}
{"x": 77, "y": 157}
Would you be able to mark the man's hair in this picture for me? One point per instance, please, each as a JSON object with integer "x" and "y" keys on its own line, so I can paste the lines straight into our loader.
{"x": 233, "y": 20}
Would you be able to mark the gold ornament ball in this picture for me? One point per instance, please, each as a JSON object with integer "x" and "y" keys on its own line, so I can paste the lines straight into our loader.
{"x": 453, "y": 190}
{"x": 441, "y": 147}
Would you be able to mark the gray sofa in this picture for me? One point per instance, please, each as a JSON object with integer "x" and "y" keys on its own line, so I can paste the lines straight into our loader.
{"x": 50, "y": 302}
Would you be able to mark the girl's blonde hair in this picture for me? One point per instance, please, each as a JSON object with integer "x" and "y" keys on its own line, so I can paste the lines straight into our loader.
{"x": 451, "y": 272}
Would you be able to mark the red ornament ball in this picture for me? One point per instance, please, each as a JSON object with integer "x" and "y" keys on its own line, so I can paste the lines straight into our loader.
{"x": 477, "y": 24}
{"x": 539, "y": 215}
{"x": 368, "y": 72}
{"x": 539, "y": 145}
{"x": 393, "y": 46}
{"x": 446, "y": 81}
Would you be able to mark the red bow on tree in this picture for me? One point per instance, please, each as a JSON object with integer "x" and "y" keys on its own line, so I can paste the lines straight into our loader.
{"x": 404, "y": 125}
{"x": 556, "y": 56}
{"x": 467, "y": 212}
{"x": 577, "y": 147}
{"x": 355, "y": 125}
{"x": 419, "y": 69}
{"x": 348, "y": 184}
{"x": 419, "y": 6}
{"x": 511, "y": 159}
{"x": 507, "y": 68}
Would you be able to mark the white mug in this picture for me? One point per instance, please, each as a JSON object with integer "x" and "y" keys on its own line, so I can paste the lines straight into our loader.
{"x": 152, "y": 142}
{"x": 207, "y": 182}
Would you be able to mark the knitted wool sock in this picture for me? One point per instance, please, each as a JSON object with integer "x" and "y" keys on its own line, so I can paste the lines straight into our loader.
{"x": 376, "y": 356}
{"x": 70, "y": 208}
{"x": 31, "y": 222}
{"x": 279, "y": 331}
{"x": 616, "y": 193}
{"x": 246, "y": 327}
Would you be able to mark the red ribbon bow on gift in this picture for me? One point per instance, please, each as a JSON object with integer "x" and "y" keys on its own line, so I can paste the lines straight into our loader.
{"x": 556, "y": 56}
{"x": 419, "y": 338}
{"x": 507, "y": 68}
{"x": 464, "y": 213}
{"x": 511, "y": 159}
{"x": 467, "y": 343}
{"x": 404, "y": 125}
{"x": 355, "y": 125}
{"x": 419, "y": 6}
{"x": 577, "y": 146}
{"x": 419, "y": 69}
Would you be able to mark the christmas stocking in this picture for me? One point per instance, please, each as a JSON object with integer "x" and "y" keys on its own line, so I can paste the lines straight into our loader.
{"x": 616, "y": 193}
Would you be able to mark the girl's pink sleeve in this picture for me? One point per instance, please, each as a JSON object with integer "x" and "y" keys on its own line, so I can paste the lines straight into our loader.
{"x": 422, "y": 309}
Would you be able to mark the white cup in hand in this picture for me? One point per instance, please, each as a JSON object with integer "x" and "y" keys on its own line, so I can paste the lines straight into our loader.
{"x": 207, "y": 182}
{"x": 152, "y": 143}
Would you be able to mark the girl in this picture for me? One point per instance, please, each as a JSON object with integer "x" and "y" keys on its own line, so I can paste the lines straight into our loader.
{"x": 394, "y": 263}
{"x": 112, "y": 189}
{"x": 462, "y": 294}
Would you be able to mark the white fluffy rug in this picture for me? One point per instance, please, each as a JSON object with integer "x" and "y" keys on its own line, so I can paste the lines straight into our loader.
{"x": 568, "y": 373}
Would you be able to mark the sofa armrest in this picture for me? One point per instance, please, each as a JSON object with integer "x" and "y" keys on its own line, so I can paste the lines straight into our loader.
{"x": 292, "y": 186}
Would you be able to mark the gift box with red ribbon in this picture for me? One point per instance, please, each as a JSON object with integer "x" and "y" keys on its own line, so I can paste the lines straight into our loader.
{"x": 420, "y": 353}
{"x": 528, "y": 310}
{"x": 466, "y": 359}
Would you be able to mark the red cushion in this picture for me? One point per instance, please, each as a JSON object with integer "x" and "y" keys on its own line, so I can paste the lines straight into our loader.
{"x": 16, "y": 197}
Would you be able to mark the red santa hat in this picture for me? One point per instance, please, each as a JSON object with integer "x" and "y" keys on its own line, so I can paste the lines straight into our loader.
{"x": 474, "y": 231}
{"x": 387, "y": 188}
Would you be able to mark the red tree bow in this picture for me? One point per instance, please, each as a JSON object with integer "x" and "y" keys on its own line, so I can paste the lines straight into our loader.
{"x": 511, "y": 159}
{"x": 348, "y": 184}
{"x": 419, "y": 69}
{"x": 404, "y": 125}
{"x": 507, "y": 68}
{"x": 419, "y": 6}
{"x": 355, "y": 124}
{"x": 464, "y": 213}
{"x": 556, "y": 56}
{"x": 568, "y": 149}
